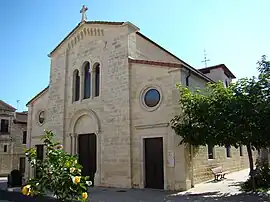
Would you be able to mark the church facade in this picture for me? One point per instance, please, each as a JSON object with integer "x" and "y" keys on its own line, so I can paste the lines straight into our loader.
{"x": 111, "y": 96}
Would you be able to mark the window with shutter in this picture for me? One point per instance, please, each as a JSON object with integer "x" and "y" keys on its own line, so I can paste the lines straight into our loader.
{"x": 4, "y": 126}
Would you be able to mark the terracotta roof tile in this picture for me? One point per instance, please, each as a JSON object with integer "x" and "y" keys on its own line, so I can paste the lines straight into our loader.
{"x": 7, "y": 106}
{"x": 151, "y": 62}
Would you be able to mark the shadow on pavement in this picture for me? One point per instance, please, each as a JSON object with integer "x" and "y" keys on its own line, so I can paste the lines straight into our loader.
{"x": 216, "y": 196}
{"x": 145, "y": 195}
{"x": 18, "y": 197}
{"x": 99, "y": 194}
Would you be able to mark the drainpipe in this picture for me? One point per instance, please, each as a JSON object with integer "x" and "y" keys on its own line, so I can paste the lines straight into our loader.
{"x": 187, "y": 78}
{"x": 191, "y": 163}
{"x": 190, "y": 146}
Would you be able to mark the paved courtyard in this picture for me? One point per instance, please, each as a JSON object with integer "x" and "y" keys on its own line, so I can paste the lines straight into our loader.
{"x": 226, "y": 190}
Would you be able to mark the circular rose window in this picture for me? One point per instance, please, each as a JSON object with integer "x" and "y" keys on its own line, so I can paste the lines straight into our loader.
{"x": 151, "y": 98}
{"x": 41, "y": 117}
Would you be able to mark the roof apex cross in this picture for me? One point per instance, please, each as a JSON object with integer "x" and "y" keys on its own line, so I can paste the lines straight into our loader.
{"x": 83, "y": 12}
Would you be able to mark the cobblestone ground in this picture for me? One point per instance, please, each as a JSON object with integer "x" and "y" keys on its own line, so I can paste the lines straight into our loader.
{"x": 226, "y": 190}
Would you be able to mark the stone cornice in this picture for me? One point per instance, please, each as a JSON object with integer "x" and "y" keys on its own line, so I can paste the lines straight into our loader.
{"x": 157, "y": 125}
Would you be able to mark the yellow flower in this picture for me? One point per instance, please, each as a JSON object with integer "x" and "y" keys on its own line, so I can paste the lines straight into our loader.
{"x": 71, "y": 170}
{"x": 76, "y": 179}
{"x": 84, "y": 195}
{"x": 26, "y": 190}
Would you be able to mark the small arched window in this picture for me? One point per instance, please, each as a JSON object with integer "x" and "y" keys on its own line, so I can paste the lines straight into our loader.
{"x": 87, "y": 80}
{"x": 76, "y": 85}
{"x": 97, "y": 79}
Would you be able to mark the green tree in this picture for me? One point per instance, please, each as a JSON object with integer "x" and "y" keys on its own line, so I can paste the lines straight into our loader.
{"x": 237, "y": 115}
{"x": 59, "y": 173}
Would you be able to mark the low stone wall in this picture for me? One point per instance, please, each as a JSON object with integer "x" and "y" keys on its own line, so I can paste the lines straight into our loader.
{"x": 202, "y": 165}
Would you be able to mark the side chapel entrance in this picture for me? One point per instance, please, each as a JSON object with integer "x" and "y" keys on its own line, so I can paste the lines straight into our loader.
{"x": 87, "y": 151}
{"x": 153, "y": 163}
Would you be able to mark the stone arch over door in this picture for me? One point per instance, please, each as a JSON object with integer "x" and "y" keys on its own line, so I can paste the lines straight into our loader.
{"x": 85, "y": 122}
{"x": 80, "y": 116}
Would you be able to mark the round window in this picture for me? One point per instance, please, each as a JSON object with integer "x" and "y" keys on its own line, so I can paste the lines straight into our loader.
{"x": 152, "y": 98}
{"x": 41, "y": 117}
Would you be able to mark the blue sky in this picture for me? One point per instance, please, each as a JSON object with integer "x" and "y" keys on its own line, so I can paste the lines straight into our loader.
{"x": 235, "y": 33}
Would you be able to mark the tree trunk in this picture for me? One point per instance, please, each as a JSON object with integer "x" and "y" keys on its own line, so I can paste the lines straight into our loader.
{"x": 251, "y": 166}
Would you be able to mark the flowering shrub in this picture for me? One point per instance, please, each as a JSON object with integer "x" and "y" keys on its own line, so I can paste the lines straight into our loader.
{"x": 59, "y": 173}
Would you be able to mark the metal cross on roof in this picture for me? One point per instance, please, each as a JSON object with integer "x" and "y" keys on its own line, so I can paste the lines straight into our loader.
{"x": 83, "y": 12}
{"x": 205, "y": 59}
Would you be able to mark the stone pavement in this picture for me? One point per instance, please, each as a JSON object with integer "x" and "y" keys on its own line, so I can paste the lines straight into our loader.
{"x": 226, "y": 190}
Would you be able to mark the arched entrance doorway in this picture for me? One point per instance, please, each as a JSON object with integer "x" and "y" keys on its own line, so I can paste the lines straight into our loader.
{"x": 87, "y": 152}
{"x": 85, "y": 143}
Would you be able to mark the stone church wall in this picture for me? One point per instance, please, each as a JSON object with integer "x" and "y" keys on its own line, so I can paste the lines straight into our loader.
{"x": 202, "y": 165}
{"x": 110, "y": 110}
{"x": 147, "y": 123}
{"x": 148, "y": 51}
{"x": 118, "y": 116}
{"x": 35, "y": 129}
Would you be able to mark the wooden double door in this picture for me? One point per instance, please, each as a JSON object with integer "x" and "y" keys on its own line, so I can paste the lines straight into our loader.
{"x": 153, "y": 161}
{"x": 87, "y": 150}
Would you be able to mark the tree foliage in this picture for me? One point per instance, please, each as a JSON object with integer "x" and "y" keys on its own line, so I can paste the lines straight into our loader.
{"x": 237, "y": 115}
{"x": 59, "y": 173}
{"x": 205, "y": 117}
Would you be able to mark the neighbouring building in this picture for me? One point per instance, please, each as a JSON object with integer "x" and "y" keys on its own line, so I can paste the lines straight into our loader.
{"x": 13, "y": 134}
{"x": 111, "y": 96}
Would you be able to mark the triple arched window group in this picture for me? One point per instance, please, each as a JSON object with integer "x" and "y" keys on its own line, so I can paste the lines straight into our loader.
{"x": 90, "y": 82}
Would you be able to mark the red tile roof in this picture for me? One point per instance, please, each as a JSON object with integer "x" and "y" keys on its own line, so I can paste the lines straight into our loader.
{"x": 151, "y": 62}
{"x": 7, "y": 106}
